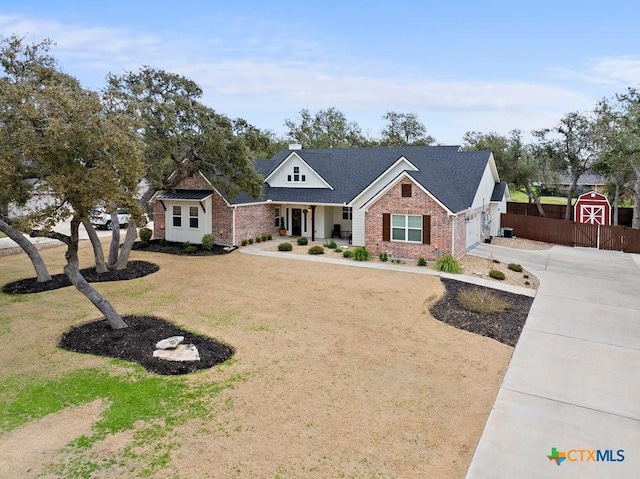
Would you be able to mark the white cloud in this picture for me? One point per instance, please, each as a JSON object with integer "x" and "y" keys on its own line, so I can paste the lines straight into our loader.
{"x": 248, "y": 70}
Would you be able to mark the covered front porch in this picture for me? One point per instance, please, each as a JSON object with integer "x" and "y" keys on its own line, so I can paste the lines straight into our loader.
{"x": 317, "y": 222}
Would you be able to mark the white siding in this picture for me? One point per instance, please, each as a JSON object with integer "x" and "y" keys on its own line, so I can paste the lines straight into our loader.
{"x": 358, "y": 227}
{"x": 496, "y": 209}
{"x": 280, "y": 176}
{"x": 473, "y": 229}
{"x": 485, "y": 189}
{"x": 184, "y": 232}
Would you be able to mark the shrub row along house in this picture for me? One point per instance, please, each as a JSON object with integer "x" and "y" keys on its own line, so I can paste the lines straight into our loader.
{"x": 407, "y": 201}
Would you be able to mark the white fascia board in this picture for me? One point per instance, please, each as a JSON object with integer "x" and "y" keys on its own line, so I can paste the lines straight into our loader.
{"x": 377, "y": 180}
{"x": 287, "y": 159}
{"x": 397, "y": 180}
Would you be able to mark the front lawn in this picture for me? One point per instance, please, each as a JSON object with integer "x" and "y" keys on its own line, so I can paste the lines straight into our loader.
{"x": 338, "y": 372}
{"x": 521, "y": 197}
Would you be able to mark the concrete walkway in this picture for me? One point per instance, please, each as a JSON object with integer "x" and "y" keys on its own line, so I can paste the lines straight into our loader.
{"x": 260, "y": 250}
{"x": 574, "y": 379}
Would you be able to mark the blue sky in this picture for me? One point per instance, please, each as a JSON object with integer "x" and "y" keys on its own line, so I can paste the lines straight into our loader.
{"x": 459, "y": 65}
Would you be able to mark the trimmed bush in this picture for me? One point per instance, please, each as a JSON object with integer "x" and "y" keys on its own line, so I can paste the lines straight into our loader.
{"x": 515, "y": 267}
{"x": 383, "y": 257}
{"x": 527, "y": 283}
{"x": 317, "y": 249}
{"x": 495, "y": 274}
{"x": 207, "y": 241}
{"x": 525, "y": 276}
{"x": 331, "y": 244}
{"x": 448, "y": 264}
{"x": 250, "y": 240}
{"x": 303, "y": 241}
{"x": 285, "y": 247}
{"x": 164, "y": 242}
{"x": 269, "y": 237}
{"x": 360, "y": 254}
{"x": 258, "y": 239}
{"x": 347, "y": 254}
{"x": 191, "y": 249}
{"x": 338, "y": 250}
{"x": 245, "y": 242}
{"x": 145, "y": 234}
{"x": 263, "y": 237}
{"x": 481, "y": 300}
{"x": 143, "y": 244}
{"x": 421, "y": 261}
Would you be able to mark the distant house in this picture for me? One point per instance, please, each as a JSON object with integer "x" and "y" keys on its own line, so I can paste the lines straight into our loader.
{"x": 407, "y": 201}
{"x": 587, "y": 182}
{"x": 39, "y": 198}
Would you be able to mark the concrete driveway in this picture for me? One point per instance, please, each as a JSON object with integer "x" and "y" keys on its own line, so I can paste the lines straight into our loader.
{"x": 573, "y": 383}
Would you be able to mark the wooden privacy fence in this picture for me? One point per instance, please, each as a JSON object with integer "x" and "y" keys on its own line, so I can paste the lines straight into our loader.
{"x": 625, "y": 215}
{"x": 615, "y": 238}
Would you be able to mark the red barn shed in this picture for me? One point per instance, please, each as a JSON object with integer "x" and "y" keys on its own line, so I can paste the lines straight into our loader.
{"x": 592, "y": 208}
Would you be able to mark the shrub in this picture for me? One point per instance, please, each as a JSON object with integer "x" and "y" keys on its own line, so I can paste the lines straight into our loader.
{"x": 481, "y": 300}
{"x": 525, "y": 276}
{"x": 207, "y": 241}
{"x": 258, "y": 239}
{"x": 383, "y": 257}
{"x": 448, "y": 264}
{"x": 360, "y": 254}
{"x": 337, "y": 250}
{"x": 495, "y": 274}
{"x": 317, "y": 249}
{"x": 331, "y": 244}
{"x": 185, "y": 245}
{"x": 269, "y": 237}
{"x": 422, "y": 261}
{"x": 245, "y": 242}
{"x": 527, "y": 283}
{"x": 145, "y": 235}
{"x": 515, "y": 267}
{"x": 303, "y": 240}
{"x": 191, "y": 249}
{"x": 263, "y": 237}
{"x": 163, "y": 242}
{"x": 285, "y": 247}
{"x": 250, "y": 240}
{"x": 143, "y": 244}
{"x": 496, "y": 261}
{"x": 347, "y": 254}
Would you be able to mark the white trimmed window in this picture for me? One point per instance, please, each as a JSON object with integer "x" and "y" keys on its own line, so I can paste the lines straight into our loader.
{"x": 347, "y": 213}
{"x": 193, "y": 217}
{"x": 277, "y": 217}
{"x": 406, "y": 228}
{"x": 297, "y": 177}
{"x": 177, "y": 216}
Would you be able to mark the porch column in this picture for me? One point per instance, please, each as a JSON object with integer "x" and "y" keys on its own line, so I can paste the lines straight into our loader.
{"x": 313, "y": 222}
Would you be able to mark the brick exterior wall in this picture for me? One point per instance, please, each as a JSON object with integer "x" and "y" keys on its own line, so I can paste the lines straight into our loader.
{"x": 195, "y": 182}
{"x": 221, "y": 220}
{"x": 158, "y": 220}
{"x": 418, "y": 204}
{"x": 255, "y": 220}
{"x": 460, "y": 237}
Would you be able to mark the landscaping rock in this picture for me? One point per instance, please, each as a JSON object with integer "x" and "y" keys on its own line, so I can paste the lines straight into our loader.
{"x": 183, "y": 352}
{"x": 170, "y": 343}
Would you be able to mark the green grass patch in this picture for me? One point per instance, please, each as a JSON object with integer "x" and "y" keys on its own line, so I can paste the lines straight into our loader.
{"x": 161, "y": 403}
{"x": 521, "y": 197}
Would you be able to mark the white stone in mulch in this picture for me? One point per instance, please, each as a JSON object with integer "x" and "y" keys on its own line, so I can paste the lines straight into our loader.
{"x": 170, "y": 343}
{"x": 183, "y": 352}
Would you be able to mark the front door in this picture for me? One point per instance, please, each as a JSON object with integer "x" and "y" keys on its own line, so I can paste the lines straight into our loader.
{"x": 296, "y": 222}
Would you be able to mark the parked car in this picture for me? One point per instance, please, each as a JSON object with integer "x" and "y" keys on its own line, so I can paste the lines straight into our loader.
{"x": 102, "y": 219}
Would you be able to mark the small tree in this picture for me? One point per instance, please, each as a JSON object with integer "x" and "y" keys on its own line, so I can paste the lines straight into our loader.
{"x": 404, "y": 129}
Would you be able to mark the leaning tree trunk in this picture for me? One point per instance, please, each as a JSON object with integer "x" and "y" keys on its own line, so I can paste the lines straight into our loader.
{"x": 536, "y": 199}
{"x": 72, "y": 270}
{"x": 123, "y": 257}
{"x": 572, "y": 189}
{"x": 636, "y": 200}
{"x": 114, "y": 248}
{"x": 101, "y": 266}
{"x": 36, "y": 260}
{"x": 616, "y": 201}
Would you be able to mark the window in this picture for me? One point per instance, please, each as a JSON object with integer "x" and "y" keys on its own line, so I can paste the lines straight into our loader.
{"x": 288, "y": 177}
{"x": 277, "y": 217}
{"x": 347, "y": 213}
{"x": 193, "y": 216}
{"x": 406, "y": 228}
{"x": 304, "y": 178}
{"x": 406, "y": 190}
{"x": 296, "y": 173}
{"x": 177, "y": 216}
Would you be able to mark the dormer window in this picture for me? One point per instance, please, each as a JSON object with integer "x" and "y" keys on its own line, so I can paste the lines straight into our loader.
{"x": 296, "y": 177}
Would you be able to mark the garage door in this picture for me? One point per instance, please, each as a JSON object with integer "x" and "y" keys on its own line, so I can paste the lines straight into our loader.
{"x": 473, "y": 231}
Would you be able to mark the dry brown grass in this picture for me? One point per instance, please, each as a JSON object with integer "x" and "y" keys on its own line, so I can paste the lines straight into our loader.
{"x": 482, "y": 300}
{"x": 345, "y": 372}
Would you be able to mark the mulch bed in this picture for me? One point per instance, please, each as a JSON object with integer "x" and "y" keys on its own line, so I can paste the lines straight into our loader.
{"x": 504, "y": 327}
{"x": 137, "y": 343}
{"x": 135, "y": 269}
{"x": 171, "y": 247}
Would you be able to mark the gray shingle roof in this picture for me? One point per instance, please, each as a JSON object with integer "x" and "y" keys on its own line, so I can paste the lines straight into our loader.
{"x": 448, "y": 173}
{"x": 498, "y": 191}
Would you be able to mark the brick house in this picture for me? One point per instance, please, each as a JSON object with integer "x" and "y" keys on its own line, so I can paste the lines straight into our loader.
{"x": 407, "y": 201}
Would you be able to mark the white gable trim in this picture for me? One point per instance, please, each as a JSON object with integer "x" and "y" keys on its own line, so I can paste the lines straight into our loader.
{"x": 394, "y": 182}
{"x": 288, "y": 159}
{"x": 373, "y": 184}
